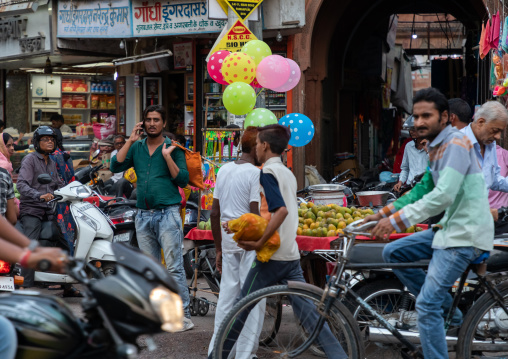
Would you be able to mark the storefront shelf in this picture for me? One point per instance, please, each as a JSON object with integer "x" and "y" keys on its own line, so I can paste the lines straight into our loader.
{"x": 75, "y": 93}
{"x": 75, "y": 109}
{"x": 103, "y": 109}
{"x": 103, "y": 93}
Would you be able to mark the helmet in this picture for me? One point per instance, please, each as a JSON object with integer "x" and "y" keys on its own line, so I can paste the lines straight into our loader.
{"x": 409, "y": 124}
{"x": 41, "y": 132}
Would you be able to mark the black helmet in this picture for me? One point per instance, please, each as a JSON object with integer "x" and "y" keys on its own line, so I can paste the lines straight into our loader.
{"x": 41, "y": 132}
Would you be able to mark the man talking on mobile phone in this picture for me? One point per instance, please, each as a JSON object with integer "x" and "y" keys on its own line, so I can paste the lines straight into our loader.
{"x": 161, "y": 169}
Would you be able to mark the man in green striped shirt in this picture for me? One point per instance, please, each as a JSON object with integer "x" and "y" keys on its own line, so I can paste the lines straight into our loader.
{"x": 453, "y": 183}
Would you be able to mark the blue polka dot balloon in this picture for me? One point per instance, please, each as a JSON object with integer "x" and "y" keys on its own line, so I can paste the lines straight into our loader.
{"x": 301, "y": 127}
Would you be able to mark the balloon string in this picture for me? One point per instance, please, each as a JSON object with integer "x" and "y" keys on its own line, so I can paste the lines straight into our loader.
{"x": 260, "y": 92}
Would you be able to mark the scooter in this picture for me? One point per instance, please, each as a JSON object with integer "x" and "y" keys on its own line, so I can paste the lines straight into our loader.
{"x": 141, "y": 298}
{"x": 94, "y": 231}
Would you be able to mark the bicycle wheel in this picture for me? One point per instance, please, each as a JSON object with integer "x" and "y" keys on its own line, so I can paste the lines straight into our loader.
{"x": 290, "y": 336}
{"x": 271, "y": 323}
{"x": 389, "y": 299}
{"x": 484, "y": 332}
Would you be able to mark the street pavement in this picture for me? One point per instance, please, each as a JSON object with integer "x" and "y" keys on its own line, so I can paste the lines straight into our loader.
{"x": 187, "y": 345}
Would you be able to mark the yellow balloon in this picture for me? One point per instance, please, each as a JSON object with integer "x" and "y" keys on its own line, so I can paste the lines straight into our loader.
{"x": 238, "y": 67}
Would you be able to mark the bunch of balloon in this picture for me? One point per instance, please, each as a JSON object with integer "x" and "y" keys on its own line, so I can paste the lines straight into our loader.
{"x": 254, "y": 67}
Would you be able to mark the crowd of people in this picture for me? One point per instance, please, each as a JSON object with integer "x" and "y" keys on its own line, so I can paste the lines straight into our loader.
{"x": 459, "y": 160}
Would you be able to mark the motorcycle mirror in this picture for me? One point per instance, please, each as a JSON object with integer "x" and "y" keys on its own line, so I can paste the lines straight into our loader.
{"x": 96, "y": 154}
{"x": 44, "y": 178}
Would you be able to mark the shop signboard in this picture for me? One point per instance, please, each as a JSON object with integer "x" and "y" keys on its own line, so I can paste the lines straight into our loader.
{"x": 153, "y": 18}
{"x": 98, "y": 19}
{"x": 234, "y": 39}
{"x": 243, "y": 8}
{"x": 25, "y": 35}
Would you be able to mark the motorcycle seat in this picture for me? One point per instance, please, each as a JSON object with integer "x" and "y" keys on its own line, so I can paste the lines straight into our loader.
{"x": 367, "y": 253}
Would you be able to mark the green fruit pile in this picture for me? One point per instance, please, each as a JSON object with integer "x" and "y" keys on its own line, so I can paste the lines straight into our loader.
{"x": 205, "y": 225}
{"x": 327, "y": 221}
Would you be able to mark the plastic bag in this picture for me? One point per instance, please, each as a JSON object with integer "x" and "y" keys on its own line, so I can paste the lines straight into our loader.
{"x": 250, "y": 227}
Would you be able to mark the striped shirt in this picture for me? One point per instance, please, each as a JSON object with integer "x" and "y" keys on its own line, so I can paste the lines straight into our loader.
{"x": 453, "y": 183}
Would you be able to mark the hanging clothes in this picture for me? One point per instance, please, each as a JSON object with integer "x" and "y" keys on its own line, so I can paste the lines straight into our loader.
{"x": 494, "y": 33}
{"x": 486, "y": 42}
{"x": 481, "y": 43}
{"x": 504, "y": 37}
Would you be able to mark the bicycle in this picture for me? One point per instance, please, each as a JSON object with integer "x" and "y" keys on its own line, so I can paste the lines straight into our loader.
{"x": 483, "y": 329}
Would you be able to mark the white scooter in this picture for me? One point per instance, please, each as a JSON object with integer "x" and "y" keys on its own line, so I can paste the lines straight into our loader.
{"x": 94, "y": 234}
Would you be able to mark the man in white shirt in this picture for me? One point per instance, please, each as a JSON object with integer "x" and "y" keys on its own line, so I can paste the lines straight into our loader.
{"x": 414, "y": 162}
{"x": 237, "y": 192}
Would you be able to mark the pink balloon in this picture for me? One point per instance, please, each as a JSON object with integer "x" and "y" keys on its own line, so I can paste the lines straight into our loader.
{"x": 273, "y": 71}
{"x": 255, "y": 84}
{"x": 294, "y": 77}
{"x": 214, "y": 66}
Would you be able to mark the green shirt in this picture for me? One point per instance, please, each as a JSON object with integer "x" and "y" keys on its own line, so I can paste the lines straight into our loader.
{"x": 156, "y": 189}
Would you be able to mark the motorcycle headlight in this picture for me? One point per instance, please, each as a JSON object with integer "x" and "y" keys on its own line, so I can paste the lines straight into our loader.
{"x": 81, "y": 191}
{"x": 169, "y": 308}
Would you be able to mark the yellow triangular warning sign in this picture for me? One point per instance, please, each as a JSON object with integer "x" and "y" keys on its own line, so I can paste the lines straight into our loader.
{"x": 243, "y": 8}
{"x": 234, "y": 39}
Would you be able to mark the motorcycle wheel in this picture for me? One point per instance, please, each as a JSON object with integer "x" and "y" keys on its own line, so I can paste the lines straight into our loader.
{"x": 388, "y": 298}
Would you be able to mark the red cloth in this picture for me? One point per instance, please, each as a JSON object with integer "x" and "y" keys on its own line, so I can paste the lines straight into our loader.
{"x": 494, "y": 31}
{"x": 400, "y": 155}
{"x": 199, "y": 235}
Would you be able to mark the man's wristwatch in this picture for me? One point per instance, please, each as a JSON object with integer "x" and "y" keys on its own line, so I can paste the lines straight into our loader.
{"x": 33, "y": 245}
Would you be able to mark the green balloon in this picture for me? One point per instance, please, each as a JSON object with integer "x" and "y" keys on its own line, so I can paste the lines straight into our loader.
{"x": 260, "y": 117}
{"x": 257, "y": 49}
{"x": 239, "y": 98}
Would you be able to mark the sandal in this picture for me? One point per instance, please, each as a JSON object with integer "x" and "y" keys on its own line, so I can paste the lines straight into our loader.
{"x": 72, "y": 293}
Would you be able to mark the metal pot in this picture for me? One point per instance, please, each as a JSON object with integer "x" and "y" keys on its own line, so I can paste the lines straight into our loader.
{"x": 323, "y": 194}
{"x": 372, "y": 198}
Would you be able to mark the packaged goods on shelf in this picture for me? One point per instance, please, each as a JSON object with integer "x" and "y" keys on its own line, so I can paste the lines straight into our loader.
{"x": 94, "y": 103}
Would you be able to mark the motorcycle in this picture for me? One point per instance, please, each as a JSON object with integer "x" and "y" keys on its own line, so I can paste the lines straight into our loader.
{"x": 94, "y": 232}
{"x": 122, "y": 213}
{"x": 141, "y": 298}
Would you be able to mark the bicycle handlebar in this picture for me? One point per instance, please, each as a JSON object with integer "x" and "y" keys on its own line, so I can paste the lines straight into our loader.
{"x": 360, "y": 228}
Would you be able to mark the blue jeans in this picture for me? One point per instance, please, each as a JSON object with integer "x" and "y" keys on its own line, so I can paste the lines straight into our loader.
{"x": 445, "y": 267}
{"x": 263, "y": 275}
{"x": 162, "y": 229}
{"x": 8, "y": 339}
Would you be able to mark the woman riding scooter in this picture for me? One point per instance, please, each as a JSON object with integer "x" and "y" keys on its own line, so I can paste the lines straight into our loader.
{"x": 34, "y": 195}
